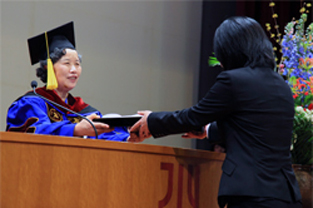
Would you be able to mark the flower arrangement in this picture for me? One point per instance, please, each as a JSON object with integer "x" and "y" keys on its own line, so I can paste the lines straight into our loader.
{"x": 296, "y": 66}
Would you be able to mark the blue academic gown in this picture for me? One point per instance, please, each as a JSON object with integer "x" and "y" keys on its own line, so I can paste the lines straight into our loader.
{"x": 32, "y": 114}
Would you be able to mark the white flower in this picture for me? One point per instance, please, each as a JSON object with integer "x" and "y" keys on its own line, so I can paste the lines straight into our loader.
{"x": 300, "y": 109}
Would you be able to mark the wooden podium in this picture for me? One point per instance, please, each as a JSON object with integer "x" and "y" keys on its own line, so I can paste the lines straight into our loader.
{"x": 39, "y": 171}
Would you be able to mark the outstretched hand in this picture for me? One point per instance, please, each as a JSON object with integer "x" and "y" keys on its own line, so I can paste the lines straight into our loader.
{"x": 84, "y": 128}
{"x": 196, "y": 134}
{"x": 140, "y": 131}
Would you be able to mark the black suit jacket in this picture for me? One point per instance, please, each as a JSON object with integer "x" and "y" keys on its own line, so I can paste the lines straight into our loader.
{"x": 253, "y": 110}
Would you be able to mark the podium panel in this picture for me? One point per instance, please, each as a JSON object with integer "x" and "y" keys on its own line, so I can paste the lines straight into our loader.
{"x": 54, "y": 172}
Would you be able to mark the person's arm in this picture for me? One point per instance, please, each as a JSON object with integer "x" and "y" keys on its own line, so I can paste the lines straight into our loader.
{"x": 29, "y": 114}
{"x": 217, "y": 104}
{"x": 84, "y": 128}
{"x": 197, "y": 134}
{"x": 116, "y": 133}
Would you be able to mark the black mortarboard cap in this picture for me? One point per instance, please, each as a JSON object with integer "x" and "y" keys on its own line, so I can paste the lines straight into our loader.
{"x": 61, "y": 37}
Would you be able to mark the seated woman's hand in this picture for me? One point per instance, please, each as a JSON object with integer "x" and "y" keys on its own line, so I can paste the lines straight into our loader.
{"x": 84, "y": 128}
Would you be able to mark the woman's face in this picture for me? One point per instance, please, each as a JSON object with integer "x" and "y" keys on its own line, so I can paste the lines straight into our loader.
{"x": 67, "y": 71}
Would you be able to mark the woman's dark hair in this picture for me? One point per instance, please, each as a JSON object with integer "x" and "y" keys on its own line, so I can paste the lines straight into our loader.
{"x": 41, "y": 72}
{"x": 240, "y": 42}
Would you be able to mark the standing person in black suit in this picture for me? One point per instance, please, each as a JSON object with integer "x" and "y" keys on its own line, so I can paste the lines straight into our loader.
{"x": 251, "y": 109}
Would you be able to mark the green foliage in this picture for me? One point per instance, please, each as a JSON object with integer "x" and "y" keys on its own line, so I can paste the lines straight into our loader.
{"x": 302, "y": 140}
{"x": 213, "y": 61}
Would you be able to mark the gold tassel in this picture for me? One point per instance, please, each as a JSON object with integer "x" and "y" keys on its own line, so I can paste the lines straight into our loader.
{"x": 51, "y": 79}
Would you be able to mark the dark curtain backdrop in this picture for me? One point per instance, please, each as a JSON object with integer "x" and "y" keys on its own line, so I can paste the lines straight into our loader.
{"x": 214, "y": 12}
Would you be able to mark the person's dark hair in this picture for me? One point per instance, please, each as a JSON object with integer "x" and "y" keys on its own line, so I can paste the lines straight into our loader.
{"x": 240, "y": 42}
{"x": 41, "y": 72}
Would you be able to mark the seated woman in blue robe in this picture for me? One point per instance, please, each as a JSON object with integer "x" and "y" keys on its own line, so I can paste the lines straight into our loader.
{"x": 32, "y": 114}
